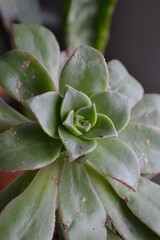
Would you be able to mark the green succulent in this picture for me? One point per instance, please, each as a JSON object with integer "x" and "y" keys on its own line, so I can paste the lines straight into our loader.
{"x": 87, "y": 149}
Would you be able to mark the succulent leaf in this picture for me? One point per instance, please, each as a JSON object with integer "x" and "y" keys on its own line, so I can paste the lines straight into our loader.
{"x": 121, "y": 81}
{"x": 89, "y": 113}
{"x": 114, "y": 105}
{"x": 103, "y": 128}
{"x": 9, "y": 117}
{"x": 127, "y": 225}
{"x": 46, "y": 107}
{"x": 16, "y": 187}
{"x": 147, "y": 110}
{"x": 116, "y": 159}
{"x": 86, "y": 71}
{"x": 36, "y": 206}
{"x": 78, "y": 203}
{"x": 112, "y": 236}
{"x": 144, "y": 140}
{"x": 26, "y": 146}
{"x": 23, "y": 76}
{"x": 31, "y": 38}
{"x": 95, "y": 17}
{"x": 73, "y": 100}
{"x": 74, "y": 145}
{"x": 144, "y": 203}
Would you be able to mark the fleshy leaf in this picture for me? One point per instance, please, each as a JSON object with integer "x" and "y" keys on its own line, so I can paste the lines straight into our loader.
{"x": 112, "y": 236}
{"x": 86, "y": 71}
{"x": 40, "y": 42}
{"x": 145, "y": 141}
{"x": 121, "y": 81}
{"x": 103, "y": 128}
{"x": 94, "y": 16}
{"x": 16, "y": 187}
{"x": 144, "y": 203}
{"x": 64, "y": 56}
{"x": 26, "y": 146}
{"x": 75, "y": 146}
{"x": 82, "y": 214}
{"x": 9, "y": 116}
{"x": 117, "y": 160}
{"x": 147, "y": 110}
{"x": 32, "y": 214}
{"x": 89, "y": 113}
{"x": 114, "y": 105}
{"x": 69, "y": 124}
{"x": 23, "y": 76}
{"x": 127, "y": 225}
{"x": 73, "y": 100}
{"x": 46, "y": 108}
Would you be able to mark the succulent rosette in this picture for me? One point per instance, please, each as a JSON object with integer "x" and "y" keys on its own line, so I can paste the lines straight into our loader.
{"x": 88, "y": 137}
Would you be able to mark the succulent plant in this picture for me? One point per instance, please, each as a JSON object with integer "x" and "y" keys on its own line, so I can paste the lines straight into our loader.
{"x": 87, "y": 148}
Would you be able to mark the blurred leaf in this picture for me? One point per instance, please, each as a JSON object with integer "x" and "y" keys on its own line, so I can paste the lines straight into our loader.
{"x": 86, "y": 71}
{"x": 112, "y": 236}
{"x": 33, "y": 212}
{"x": 145, "y": 141}
{"x": 26, "y": 146}
{"x": 127, "y": 225}
{"x": 15, "y": 188}
{"x": 147, "y": 110}
{"x": 23, "y": 76}
{"x": 28, "y": 11}
{"x": 121, "y": 81}
{"x": 88, "y": 22}
{"x": 116, "y": 159}
{"x": 41, "y": 43}
{"x": 144, "y": 203}
{"x": 82, "y": 214}
{"x": 9, "y": 116}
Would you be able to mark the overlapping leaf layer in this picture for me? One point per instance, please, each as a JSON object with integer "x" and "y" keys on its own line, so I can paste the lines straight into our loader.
{"x": 85, "y": 149}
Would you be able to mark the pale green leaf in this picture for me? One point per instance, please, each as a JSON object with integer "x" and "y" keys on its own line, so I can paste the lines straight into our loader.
{"x": 74, "y": 145}
{"x": 103, "y": 128}
{"x": 114, "y": 105}
{"x": 32, "y": 214}
{"x": 23, "y": 76}
{"x": 26, "y": 146}
{"x": 145, "y": 141}
{"x": 82, "y": 213}
{"x": 121, "y": 81}
{"x": 147, "y": 110}
{"x": 40, "y": 42}
{"x": 46, "y": 108}
{"x": 127, "y": 225}
{"x": 73, "y": 100}
{"x": 144, "y": 203}
{"x": 86, "y": 71}
{"x": 116, "y": 159}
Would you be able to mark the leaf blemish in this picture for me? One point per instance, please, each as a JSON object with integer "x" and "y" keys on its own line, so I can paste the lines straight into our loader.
{"x": 25, "y": 64}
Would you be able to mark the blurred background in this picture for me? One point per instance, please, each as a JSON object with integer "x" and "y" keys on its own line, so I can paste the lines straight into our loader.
{"x": 134, "y": 34}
